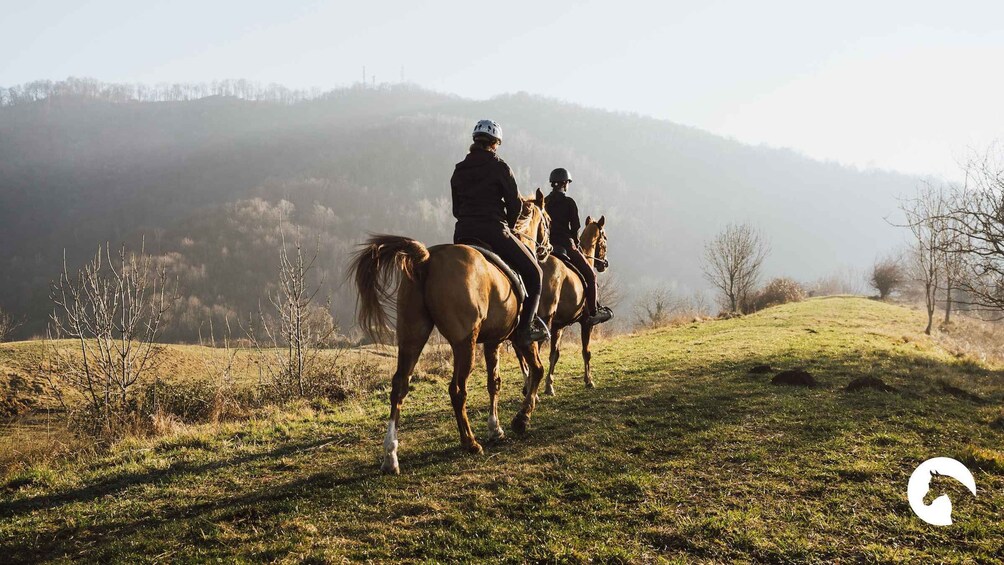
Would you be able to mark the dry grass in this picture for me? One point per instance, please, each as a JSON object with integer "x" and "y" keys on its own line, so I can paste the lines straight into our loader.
{"x": 972, "y": 338}
{"x": 39, "y": 443}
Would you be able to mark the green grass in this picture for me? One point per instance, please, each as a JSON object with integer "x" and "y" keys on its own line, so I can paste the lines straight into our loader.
{"x": 678, "y": 455}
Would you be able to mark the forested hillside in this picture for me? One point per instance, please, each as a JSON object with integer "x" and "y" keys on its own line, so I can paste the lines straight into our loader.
{"x": 206, "y": 179}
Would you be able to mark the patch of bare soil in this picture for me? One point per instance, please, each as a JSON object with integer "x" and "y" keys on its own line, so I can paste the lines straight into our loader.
{"x": 794, "y": 377}
{"x": 869, "y": 382}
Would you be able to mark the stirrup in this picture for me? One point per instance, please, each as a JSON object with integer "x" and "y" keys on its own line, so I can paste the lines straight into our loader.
{"x": 603, "y": 314}
{"x": 536, "y": 332}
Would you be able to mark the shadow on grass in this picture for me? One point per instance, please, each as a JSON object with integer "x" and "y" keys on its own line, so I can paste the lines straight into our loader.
{"x": 661, "y": 412}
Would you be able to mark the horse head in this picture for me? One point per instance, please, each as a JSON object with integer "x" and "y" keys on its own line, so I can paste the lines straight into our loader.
{"x": 594, "y": 242}
{"x": 534, "y": 225}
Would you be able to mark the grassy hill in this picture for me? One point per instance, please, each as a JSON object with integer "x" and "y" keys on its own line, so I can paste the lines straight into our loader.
{"x": 679, "y": 454}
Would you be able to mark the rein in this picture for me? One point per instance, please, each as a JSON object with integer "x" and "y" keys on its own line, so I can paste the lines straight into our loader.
{"x": 541, "y": 249}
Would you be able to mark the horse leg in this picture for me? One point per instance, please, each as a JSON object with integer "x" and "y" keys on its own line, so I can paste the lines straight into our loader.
{"x": 494, "y": 382}
{"x": 555, "y": 355}
{"x": 463, "y": 361}
{"x": 521, "y": 422}
{"x": 587, "y": 375}
{"x": 409, "y": 349}
{"x": 525, "y": 369}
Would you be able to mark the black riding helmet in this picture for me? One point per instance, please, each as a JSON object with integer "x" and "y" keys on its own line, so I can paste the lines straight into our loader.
{"x": 560, "y": 175}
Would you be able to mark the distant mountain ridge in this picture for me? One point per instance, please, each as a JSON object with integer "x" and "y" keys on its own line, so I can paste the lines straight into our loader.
{"x": 205, "y": 181}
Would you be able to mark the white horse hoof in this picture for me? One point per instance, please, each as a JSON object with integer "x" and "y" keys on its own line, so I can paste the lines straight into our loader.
{"x": 497, "y": 435}
{"x": 390, "y": 466}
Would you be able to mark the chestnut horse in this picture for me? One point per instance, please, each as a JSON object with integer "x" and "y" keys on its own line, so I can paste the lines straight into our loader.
{"x": 468, "y": 299}
{"x": 563, "y": 298}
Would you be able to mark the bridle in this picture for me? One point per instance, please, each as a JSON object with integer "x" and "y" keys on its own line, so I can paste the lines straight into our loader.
{"x": 542, "y": 249}
{"x": 598, "y": 260}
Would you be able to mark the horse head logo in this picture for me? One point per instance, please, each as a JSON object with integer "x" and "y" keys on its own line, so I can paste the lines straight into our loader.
{"x": 939, "y": 512}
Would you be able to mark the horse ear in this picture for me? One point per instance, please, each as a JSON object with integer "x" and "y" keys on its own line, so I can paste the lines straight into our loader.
{"x": 540, "y": 198}
{"x": 589, "y": 220}
{"x": 601, "y": 221}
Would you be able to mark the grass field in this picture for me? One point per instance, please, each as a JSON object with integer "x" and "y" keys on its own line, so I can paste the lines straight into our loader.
{"x": 679, "y": 454}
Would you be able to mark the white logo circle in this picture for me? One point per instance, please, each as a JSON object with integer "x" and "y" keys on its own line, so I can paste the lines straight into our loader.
{"x": 939, "y": 512}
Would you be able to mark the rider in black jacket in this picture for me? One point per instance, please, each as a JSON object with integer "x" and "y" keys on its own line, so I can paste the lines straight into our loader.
{"x": 487, "y": 205}
{"x": 565, "y": 235}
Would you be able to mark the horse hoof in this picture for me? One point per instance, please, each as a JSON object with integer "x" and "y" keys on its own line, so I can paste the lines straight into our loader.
{"x": 497, "y": 435}
{"x": 589, "y": 384}
{"x": 475, "y": 448}
{"x": 520, "y": 423}
{"x": 549, "y": 391}
{"x": 390, "y": 469}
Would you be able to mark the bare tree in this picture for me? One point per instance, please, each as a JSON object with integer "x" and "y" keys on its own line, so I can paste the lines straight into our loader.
{"x": 926, "y": 214}
{"x": 113, "y": 309}
{"x": 887, "y": 276}
{"x": 953, "y": 259}
{"x": 608, "y": 290}
{"x": 289, "y": 345}
{"x": 8, "y": 324}
{"x": 975, "y": 224}
{"x": 732, "y": 263}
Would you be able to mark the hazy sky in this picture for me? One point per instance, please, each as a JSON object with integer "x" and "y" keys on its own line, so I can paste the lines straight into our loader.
{"x": 900, "y": 85}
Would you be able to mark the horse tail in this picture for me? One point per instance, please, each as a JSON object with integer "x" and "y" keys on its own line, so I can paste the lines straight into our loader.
{"x": 381, "y": 261}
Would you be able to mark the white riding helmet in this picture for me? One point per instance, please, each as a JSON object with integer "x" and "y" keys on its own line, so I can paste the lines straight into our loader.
{"x": 489, "y": 127}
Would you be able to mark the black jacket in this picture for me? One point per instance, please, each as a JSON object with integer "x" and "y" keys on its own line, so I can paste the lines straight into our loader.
{"x": 564, "y": 218}
{"x": 484, "y": 190}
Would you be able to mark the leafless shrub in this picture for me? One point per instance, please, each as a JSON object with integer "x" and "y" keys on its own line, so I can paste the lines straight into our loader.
{"x": 778, "y": 291}
{"x": 887, "y": 276}
{"x": 659, "y": 307}
{"x": 113, "y": 308}
{"x": 732, "y": 263}
{"x": 654, "y": 308}
{"x": 7, "y": 325}
{"x": 289, "y": 339}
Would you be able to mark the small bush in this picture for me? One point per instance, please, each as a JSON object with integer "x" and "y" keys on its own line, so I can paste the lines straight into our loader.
{"x": 887, "y": 276}
{"x": 778, "y": 291}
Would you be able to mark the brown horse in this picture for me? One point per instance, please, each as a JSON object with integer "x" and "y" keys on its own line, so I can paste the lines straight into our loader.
{"x": 563, "y": 298}
{"x": 456, "y": 290}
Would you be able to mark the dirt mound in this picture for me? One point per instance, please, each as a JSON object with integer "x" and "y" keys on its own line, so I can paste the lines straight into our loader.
{"x": 794, "y": 377}
{"x": 869, "y": 382}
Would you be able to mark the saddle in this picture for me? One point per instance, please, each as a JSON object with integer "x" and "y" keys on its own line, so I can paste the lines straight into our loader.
{"x": 514, "y": 279}
{"x": 562, "y": 254}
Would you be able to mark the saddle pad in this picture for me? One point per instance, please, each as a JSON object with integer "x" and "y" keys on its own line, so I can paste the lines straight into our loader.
{"x": 513, "y": 276}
